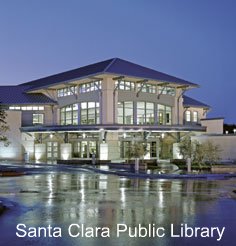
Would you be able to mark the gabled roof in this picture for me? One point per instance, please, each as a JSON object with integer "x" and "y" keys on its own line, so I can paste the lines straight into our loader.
{"x": 16, "y": 95}
{"x": 112, "y": 66}
{"x": 190, "y": 102}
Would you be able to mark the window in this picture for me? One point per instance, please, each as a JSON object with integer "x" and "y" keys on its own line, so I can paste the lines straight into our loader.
{"x": 164, "y": 114}
{"x": 188, "y": 116}
{"x": 125, "y": 85}
{"x": 38, "y": 119}
{"x": 166, "y": 90}
{"x": 27, "y": 108}
{"x": 195, "y": 116}
{"x": 145, "y": 113}
{"x": 67, "y": 91}
{"x": 149, "y": 88}
{"x": 90, "y": 113}
{"x": 69, "y": 115}
{"x": 91, "y": 86}
{"x": 125, "y": 112}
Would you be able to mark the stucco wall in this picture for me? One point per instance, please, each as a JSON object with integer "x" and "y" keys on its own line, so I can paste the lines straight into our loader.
{"x": 15, "y": 150}
{"x": 226, "y": 143}
{"x": 214, "y": 126}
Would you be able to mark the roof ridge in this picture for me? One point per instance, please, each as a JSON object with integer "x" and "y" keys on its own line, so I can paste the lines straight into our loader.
{"x": 110, "y": 64}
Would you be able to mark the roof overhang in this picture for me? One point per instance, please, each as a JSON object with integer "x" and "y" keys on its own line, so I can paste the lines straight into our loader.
{"x": 116, "y": 127}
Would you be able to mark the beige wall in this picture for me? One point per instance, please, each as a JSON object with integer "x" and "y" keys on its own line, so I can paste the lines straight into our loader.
{"x": 226, "y": 143}
{"x": 15, "y": 149}
{"x": 214, "y": 126}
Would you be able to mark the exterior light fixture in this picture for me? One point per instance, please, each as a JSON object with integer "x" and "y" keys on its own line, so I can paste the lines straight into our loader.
{"x": 234, "y": 130}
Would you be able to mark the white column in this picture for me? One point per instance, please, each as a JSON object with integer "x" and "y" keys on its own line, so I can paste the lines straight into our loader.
{"x": 107, "y": 101}
{"x": 66, "y": 151}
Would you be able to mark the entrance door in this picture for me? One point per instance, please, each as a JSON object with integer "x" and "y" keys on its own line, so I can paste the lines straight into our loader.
{"x": 151, "y": 149}
{"x": 52, "y": 151}
{"x": 85, "y": 149}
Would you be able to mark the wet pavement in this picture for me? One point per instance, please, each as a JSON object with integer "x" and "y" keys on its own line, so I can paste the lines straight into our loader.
{"x": 61, "y": 196}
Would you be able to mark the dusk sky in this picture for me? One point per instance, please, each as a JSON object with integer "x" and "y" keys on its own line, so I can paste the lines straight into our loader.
{"x": 194, "y": 40}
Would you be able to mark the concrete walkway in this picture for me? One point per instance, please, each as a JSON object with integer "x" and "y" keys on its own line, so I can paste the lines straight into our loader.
{"x": 30, "y": 169}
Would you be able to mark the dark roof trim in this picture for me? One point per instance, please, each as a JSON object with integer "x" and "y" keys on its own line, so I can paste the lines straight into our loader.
{"x": 16, "y": 95}
{"x": 112, "y": 127}
{"x": 217, "y": 118}
{"x": 190, "y": 102}
{"x": 114, "y": 66}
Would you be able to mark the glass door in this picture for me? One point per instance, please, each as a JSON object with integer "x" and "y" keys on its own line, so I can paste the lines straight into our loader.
{"x": 52, "y": 151}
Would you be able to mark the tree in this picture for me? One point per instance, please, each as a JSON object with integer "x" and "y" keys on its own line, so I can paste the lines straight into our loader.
{"x": 211, "y": 152}
{"x": 200, "y": 153}
{"x": 136, "y": 150}
{"x": 3, "y": 126}
{"x": 186, "y": 147}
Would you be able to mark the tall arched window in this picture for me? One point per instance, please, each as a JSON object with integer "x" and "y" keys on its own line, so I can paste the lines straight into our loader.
{"x": 164, "y": 114}
{"x": 195, "y": 116}
{"x": 187, "y": 116}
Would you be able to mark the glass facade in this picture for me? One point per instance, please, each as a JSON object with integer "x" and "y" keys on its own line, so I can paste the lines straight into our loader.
{"x": 164, "y": 114}
{"x": 166, "y": 90}
{"x": 67, "y": 91}
{"x": 195, "y": 116}
{"x": 38, "y": 119}
{"x": 187, "y": 116}
{"x": 148, "y": 88}
{"x": 69, "y": 115}
{"x": 90, "y": 113}
{"x": 145, "y": 113}
{"x": 91, "y": 86}
{"x": 85, "y": 149}
{"x": 125, "y": 85}
{"x": 125, "y": 112}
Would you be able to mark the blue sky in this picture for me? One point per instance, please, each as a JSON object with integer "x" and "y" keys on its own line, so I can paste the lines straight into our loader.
{"x": 194, "y": 40}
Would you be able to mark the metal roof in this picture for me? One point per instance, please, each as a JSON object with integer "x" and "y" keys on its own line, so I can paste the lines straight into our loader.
{"x": 190, "y": 102}
{"x": 115, "y": 66}
{"x": 17, "y": 95}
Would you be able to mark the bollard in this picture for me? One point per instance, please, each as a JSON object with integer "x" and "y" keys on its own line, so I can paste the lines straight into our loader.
{"x": 189, "y": 164}
{"x": 93, "y": 159}
{"x": 136, "y": 168}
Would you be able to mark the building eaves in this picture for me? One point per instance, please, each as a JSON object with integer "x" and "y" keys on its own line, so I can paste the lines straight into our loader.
{"x": 190, "y": 102}
{"x": 10, "y": 95}
{"x": 126, "y": 68}
{"x": 115, "y": 66}
{"x": 82, "y": 72}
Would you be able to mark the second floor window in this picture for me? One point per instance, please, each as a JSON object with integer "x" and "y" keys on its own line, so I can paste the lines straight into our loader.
{"x": 69, "y": 115}
{"x": 148, "y": 88}
{"x": 67, "y": 91}
{"x": 164, "y": 114}
{"x": 145, "y": 113}
{"x": 91, "y": 86}
{"x": 125, "y": 85}
{"x": 195, "y": 116}
{"x": 166, "y": 90}
{"x": 188, "y": 116}
{"x": 38, "y": 119}
{"x": 125, "y": 112}
{"x": 90, "y": 113}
